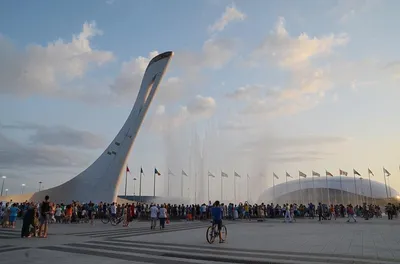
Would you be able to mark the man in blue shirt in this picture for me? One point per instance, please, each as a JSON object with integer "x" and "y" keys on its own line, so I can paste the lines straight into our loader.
{"x": 216, "y": 213}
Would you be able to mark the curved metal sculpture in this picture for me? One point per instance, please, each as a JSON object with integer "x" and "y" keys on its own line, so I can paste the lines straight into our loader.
{"x": 100, "y": 181}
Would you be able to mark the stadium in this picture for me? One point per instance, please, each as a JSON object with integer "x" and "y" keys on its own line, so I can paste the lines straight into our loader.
{"x": 329, "y": 190}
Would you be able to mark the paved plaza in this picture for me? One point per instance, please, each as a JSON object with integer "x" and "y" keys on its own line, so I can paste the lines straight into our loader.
{"x": 271, "y": 241}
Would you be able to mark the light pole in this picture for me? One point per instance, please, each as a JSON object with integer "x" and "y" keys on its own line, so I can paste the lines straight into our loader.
{"x": 2, "y": 185}
{"x": 134, "y": 189}
{"x": 6, "y": 191}
{"x": 22, "y": 188}
{"x": 40, "y": 185}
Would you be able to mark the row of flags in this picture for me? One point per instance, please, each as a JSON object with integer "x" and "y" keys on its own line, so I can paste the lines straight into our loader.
{"x": 301, "y": 174}
{"x": 156, "y": 172}
{"x": 327, "y": 173}
{"x": 225, "y": 175}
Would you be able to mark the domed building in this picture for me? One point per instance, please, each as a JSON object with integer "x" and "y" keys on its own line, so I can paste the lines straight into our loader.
{"x": 331, "y": 190}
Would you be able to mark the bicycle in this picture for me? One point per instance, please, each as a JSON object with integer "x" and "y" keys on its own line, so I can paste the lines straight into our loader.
{"x": 212, "y": 233}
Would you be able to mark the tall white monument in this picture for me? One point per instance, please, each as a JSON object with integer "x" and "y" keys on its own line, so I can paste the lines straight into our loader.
{"x": 100, "y": 181}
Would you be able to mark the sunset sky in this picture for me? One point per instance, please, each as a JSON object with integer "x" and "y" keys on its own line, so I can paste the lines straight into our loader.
{"x": 269, "y": 86}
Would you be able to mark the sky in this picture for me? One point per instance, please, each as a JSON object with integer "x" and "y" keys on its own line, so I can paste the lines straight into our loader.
{"x": 267, "y": 87}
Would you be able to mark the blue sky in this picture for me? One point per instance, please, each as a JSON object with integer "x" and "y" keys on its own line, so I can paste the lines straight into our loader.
{"x": 274, "y": 85}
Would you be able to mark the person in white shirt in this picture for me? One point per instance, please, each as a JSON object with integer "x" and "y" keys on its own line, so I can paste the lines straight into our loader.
{"x": 153, "y": 216}
{"x": 162, "y": 216}
{"x": 113, "y": 210}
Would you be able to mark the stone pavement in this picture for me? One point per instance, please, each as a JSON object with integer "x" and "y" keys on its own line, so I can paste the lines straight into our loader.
{"x": 271, "y": 241}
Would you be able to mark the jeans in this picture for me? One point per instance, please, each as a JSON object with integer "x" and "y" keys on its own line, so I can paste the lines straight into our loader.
{"x": 153, "y": 221}
{"x": 162, "y": 222}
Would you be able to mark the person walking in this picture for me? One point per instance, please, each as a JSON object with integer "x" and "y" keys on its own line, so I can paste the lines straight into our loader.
{"x": 162, "y": 216}
{"x": 153, "y": 216}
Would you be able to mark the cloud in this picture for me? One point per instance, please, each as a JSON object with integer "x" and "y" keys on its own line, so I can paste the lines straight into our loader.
{"x": 199, "y": 107}
{"x": 15, "y": 156}
{"x": 393, "y": 68}
{"x": 216, "y": 53}
{"x": 202, "y": 106}
{"x": 231, "y": 14}
{"x": 348, "y": 10}
{"x": 244, "y": 92}
{"x": 294, "y": 53}
{"x": 60, "y": 136}
{"x": 47, "y": 69}
{"x": 309, "y": 77}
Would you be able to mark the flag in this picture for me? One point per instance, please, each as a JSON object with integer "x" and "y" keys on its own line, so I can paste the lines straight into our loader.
{"x": 288, "y": 175}
{"x": 316, "y": 174}
{"x": 156, "y": 172}
{"x": 184, "y": 173}
{"x": 127, "y": 169}
{"x": 236, "y": 174}
{"x": 341, "y": 172}
{"x": 210, "y": 174}
{"x": 302, "y": 174}
{"x": 328, "y": 173}
{"x": 141, "y": 170}
{"x": 276, "y": 176}
{"x": 170, "y": 172}
{"x": 370, "y": 172}
{"x": 385, "y": 172}
{"x": 223, "y": 174}
{"x": 356, "y": 172}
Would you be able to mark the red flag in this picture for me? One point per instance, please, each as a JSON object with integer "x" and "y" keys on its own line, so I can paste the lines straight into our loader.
{"x": 127, "y": 169}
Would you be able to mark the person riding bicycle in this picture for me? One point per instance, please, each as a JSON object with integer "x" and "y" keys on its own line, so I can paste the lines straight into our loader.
{"x": 216, "y": 214}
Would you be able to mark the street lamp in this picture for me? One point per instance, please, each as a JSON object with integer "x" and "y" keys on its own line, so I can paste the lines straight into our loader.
{"x": 2, "y": 185}
{"x": 40, "y": 185}
{"x": 6, "y": 191}
{"x": 22, "y": 188}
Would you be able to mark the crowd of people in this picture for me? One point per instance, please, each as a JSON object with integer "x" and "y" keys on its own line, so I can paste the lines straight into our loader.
{"x": 37, "y": 216}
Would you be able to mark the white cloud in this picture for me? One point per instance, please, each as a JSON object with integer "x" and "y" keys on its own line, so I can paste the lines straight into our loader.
{"x": 231, "y": 14}
{"x": 294, "y": 53}
{"x": 202, "y": 106}
{"x": 46, "y": 69}
{"x": 348, "y": 10}
{"x": 245, "y": 92}
{"x": 160, "y": 110}
{"x": 306, "y": 84}
{"x": 199, "y": 107}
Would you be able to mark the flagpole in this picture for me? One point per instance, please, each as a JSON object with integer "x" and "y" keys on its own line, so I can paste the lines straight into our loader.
{"x": 222, "y": 189}
{"x": 384, "y": 177}
{"x": 329, "y": 199}
{"x": 341, "y": 188}
{"x": 234, "y": 187}
{"x": 300, "y": 193}
{"x": 313, "y": 188}
{"x": 355, "y": 188}
{"x": 182, "y": 184}
{"x": 126, "y": 179}
{"x": 248, "y": 187}
{"x": 168, "y": 183}
{"x": 286, "y": 183}
{"x": 208, "y": 187}
{"x": 370, "y": 186}
{"x": 195, "y": 187}
{"x": 140, "y": 184}
{"x": 154, "y": 187}
{"x": 390, "y": 192}
{"x": 273, "y": 184}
